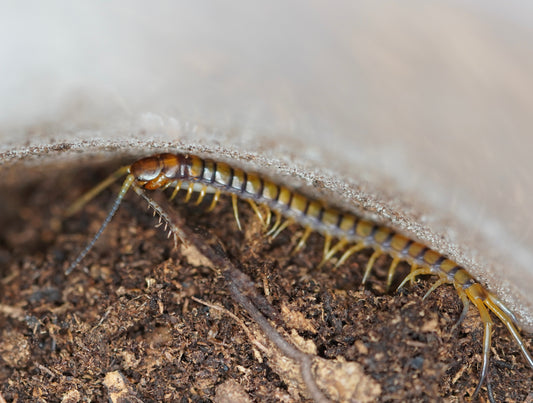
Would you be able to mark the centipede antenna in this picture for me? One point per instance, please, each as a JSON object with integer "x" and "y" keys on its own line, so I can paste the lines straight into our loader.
{"x": 87, "y": 197}
{"x": 123, "y": 190}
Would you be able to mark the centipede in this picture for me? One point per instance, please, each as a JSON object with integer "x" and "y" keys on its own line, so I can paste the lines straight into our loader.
{"x": 278, "y": 206}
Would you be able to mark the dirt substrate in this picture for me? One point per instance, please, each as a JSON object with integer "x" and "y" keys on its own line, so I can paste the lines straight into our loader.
{"x": 141, "y": 321}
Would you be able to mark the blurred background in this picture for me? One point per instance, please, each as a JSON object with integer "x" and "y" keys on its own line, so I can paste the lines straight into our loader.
{"x": 429, "y": 103}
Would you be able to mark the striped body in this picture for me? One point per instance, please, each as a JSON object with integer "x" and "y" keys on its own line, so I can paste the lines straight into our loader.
{"x": 167, "y": 169}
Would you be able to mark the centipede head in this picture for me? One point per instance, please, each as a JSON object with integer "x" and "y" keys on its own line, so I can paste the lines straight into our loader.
{"x": 157, "y": 170}
{"x": 149, "y": 173}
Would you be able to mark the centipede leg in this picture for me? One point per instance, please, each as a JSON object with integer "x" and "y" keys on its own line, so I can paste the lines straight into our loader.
{"x": 256, "y": 210}
{"x": 85, "y": 198}
{"x": 285, "y": 224}
{"x": 507, "y": 321}
{"x": 392, "y": 270}
{"x": 327, "y": 244}
{"x": 268, "y": 216}
{"x": 354, "y": 249}
{"x": 466, "y": 304}
{"x": 176, "y": 190}
{"x": 216, "y": 196}
{"x": 341, "y": 244}
{"x": 377, "y": 253}
{"x": 201, "y": 195}
{"x": 236, "y": 210}
{"x": 166, "y": 186}
{"x": 190, "y": 189}
{"x": 303, "y": 240}
{"x": 436, "y": 284}
{"x": 487, "y": 334}
{"x": 276, "y": 224}
{"x": 176, "y": 231}
{"x": 413, "y": 274}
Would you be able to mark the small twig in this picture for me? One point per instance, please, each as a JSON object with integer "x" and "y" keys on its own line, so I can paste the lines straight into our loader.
{"x": 235, "y": 318}
{"x": 236, "y": 279}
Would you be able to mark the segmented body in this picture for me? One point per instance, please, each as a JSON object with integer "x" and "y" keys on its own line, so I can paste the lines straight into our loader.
{"x": 352, "y": 232}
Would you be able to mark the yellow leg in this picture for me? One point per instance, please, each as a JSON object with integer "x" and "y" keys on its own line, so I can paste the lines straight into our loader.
{"x": 494, "y": 305}
{"x": 268, "y": 216}
{"x": 341, "y": 244}
{"x": 285, "y": 224}
{"x": 276, "y": 224}
{"x": 414, "y": 267}
{"x": 487, "y": 334}
{"x": 201, "y": 195}
{"x": 327, "y": 245}
{"x": 236, "y": 210}
{"x": 354, "y": 249}
{"x": 414, "y": 273}
{"x": 303, "y": 240}
{"x": 436, "y": 284}
{"x": 392, "y": 270}
{"x": 176, "y": 190}
{"x": 190, "y": 189}
{"x": 86, "y": 197}
{"x": 256, "y": 210}
{"x": 216, "y": 196}
{"x": 377, "y": 253}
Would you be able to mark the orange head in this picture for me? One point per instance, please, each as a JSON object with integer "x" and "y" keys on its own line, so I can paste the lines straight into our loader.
{"x": 157, "y": 170}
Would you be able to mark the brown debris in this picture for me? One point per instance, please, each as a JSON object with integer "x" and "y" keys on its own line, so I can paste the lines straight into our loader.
{"x": 118, "y": 389}
{"x": 231, "y": 392}
{"x": 72, "y": 396}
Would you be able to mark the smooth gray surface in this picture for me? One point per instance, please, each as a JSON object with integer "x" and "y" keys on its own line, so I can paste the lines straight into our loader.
{"x": 418, "y": 112}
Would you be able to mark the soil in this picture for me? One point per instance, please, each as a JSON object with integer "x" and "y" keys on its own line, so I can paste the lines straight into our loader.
{"x": 139, "y": 320}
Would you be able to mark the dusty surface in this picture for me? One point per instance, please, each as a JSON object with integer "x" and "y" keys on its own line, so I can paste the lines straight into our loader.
{"x": 131, "y": 311}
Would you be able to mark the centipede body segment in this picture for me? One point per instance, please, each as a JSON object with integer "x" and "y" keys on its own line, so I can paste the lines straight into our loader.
{"x": 278, "y": 206}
